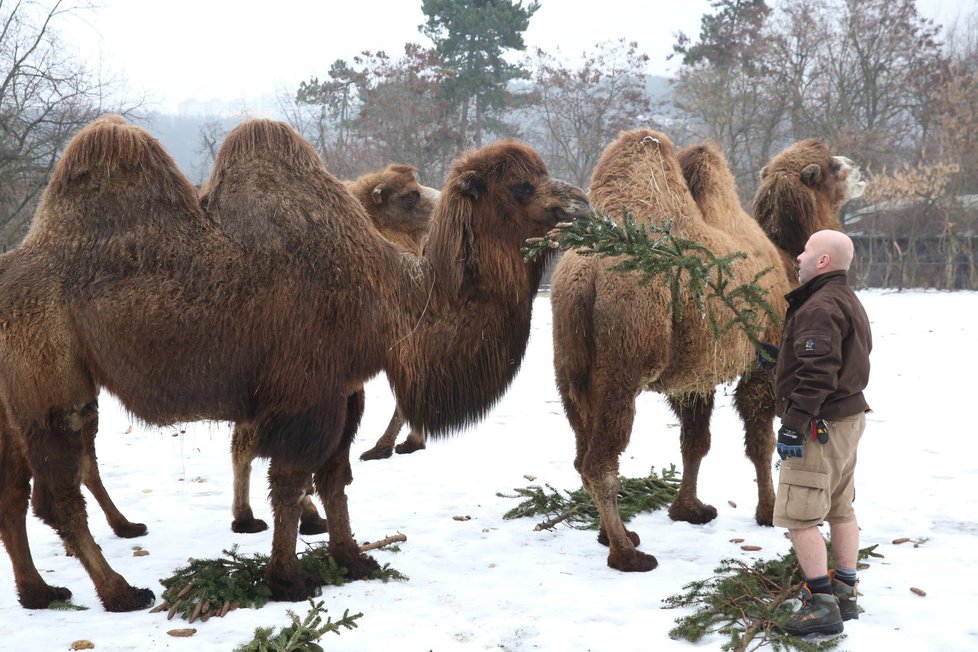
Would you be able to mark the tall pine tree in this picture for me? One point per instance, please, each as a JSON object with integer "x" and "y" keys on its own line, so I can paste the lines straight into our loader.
{"x": 471, "y": 38}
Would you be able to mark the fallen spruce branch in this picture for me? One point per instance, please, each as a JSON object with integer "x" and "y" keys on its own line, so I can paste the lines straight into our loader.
{"x": 745, "y": 603}
{"x": 577, "y": 509}
{"x": 205, "y": 588}
{"x": 301, "y": 635}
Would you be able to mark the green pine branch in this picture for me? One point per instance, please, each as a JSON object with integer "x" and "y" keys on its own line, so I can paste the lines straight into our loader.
{"x": 678, "y": 263}
{"x": 213, "y": 587}
{"x": 746, "y": 603}
{"x": 576, "y": 509}
{"x": 301, "y": 635}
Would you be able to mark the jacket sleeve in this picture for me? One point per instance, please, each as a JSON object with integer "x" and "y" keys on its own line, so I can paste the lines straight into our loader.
{"x": 818, "y": 349}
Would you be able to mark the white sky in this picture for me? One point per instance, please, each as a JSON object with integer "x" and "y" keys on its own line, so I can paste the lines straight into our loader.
{"x": 175, "y": 50}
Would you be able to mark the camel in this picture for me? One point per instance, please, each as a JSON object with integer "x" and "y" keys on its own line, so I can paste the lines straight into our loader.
{"x": 401, "y": 210}
{"x": 248, "y": 304}
{"x": 614, "y": 336}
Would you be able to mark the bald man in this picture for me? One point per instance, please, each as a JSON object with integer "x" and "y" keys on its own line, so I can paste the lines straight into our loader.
{"x": 822, "y": 370}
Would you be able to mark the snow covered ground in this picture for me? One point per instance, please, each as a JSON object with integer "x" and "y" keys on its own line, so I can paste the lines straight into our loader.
{"x": 492, "y": 584}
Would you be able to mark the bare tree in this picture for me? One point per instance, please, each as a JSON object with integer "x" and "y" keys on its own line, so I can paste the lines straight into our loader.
{"x": 46, "y": 95}
{"x": 575, "y": 113}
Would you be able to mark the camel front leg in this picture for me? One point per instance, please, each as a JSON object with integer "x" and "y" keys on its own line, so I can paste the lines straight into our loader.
{"x": 694, "y": 411}
{"x": 54, "y": 452}
{"x": 331, "y": 481}
{"x": 754, "y": 400}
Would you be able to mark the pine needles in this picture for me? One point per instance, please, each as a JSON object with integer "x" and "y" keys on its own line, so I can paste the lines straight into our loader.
{"x": 213, "y": 587}
{"x": 301, "y": 635}
{"x": 680, "y": 264}
{"x": 745, "y": 603}
{"x": 577, "y": 510}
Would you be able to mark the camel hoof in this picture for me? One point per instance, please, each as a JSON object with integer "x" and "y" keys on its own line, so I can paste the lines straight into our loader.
{"x": 361, "y": 568}
{"x": 295, "y": 589}
{"x": 697, "y": 513}
{"x": 132, "y": 599}
{"x": 407, "y": 447}
{"x": 248, "y": 525}
{"x": 42, "y": 597}
{"x": 315, "y": 525}
{"x": 632, "y": 561}
{"x": 377, "y": 453}
{"x": 130, "y": 530}
{"x": 632, "y": 536}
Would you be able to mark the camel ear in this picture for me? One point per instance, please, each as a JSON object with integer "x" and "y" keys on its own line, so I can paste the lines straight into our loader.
{"x": 470, "y": 184}
{"x": 379, "y": 194}
{"x": 763, "y": 172}
{"x": 811, "y": 175}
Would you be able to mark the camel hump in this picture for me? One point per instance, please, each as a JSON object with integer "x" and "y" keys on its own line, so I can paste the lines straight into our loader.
{"x": 706, "y": 170}
{"x": 262, "y": 140}
{"x": 639, "y": 174}
{"x": 112, "y": 175}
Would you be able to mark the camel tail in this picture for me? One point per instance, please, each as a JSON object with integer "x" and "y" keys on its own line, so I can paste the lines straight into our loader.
{"x": 572, "y": 300}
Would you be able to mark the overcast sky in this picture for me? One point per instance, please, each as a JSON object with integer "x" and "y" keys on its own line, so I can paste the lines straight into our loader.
{"x": 174, "y": 50}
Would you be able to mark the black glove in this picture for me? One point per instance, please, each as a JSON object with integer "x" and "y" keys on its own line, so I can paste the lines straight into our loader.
{"x": 789, "y": 442}
{"x": 767, "y": 355}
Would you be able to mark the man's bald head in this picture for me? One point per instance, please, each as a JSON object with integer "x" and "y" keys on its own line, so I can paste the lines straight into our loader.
{"x": 825, "y": 251}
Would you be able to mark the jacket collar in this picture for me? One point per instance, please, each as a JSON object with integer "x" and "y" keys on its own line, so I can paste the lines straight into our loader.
{"x": 801, "y": 294}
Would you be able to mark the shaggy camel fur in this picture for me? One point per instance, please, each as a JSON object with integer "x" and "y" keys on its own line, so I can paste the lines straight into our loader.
{"x": 401, "y": 210}
{"x": 614, "y": 337}
{"x": 248, "y": 305}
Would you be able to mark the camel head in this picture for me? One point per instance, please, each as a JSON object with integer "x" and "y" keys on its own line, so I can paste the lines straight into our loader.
{"x": 399, "y": 206}
{"x": 802, "y": 189}
{"x": 493, "y": 200}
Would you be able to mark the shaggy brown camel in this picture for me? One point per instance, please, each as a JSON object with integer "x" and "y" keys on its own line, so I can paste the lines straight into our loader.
{"x": 615, "y": 337}
{"x": 401, "y": 209}
{"x": 249, "y": 305}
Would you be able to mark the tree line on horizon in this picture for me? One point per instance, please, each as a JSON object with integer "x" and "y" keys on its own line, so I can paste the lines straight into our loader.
{"x": 874, "y": 79}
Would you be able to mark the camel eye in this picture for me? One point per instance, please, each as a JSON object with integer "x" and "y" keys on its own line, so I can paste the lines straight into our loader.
{"x": 522, "y": 190}
{"x": 410, "y": 200}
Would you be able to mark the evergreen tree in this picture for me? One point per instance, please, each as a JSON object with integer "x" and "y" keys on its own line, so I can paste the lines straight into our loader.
{"x": 471, "y": 38}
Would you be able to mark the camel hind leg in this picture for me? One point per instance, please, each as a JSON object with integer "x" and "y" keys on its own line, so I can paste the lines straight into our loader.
{"x": 15, "y": 490}
{"x": 242, "y": 454}
{"x": 694, "y": 411}
{"x": 598, "y": 452}
{"x": 54, "y": 452}
{"x": 384, "y": 447}
{"x": 243, "y": 518}
{"x": 92, "y": 479}
{"x": 754, "y": 400}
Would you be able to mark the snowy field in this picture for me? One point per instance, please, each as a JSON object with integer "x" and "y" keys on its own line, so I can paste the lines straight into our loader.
{"x": 492, "y": 584}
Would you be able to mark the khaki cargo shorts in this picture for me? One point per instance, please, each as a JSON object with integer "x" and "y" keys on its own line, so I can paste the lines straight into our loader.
{"x": 818, "y": 486}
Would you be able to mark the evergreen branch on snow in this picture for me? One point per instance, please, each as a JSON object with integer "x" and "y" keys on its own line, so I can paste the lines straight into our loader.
{"x": 301, "y": 635}
{"x": 745, "y": 603}
{"x": 577, "y": 509}
{"x": 213, "y": 587}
